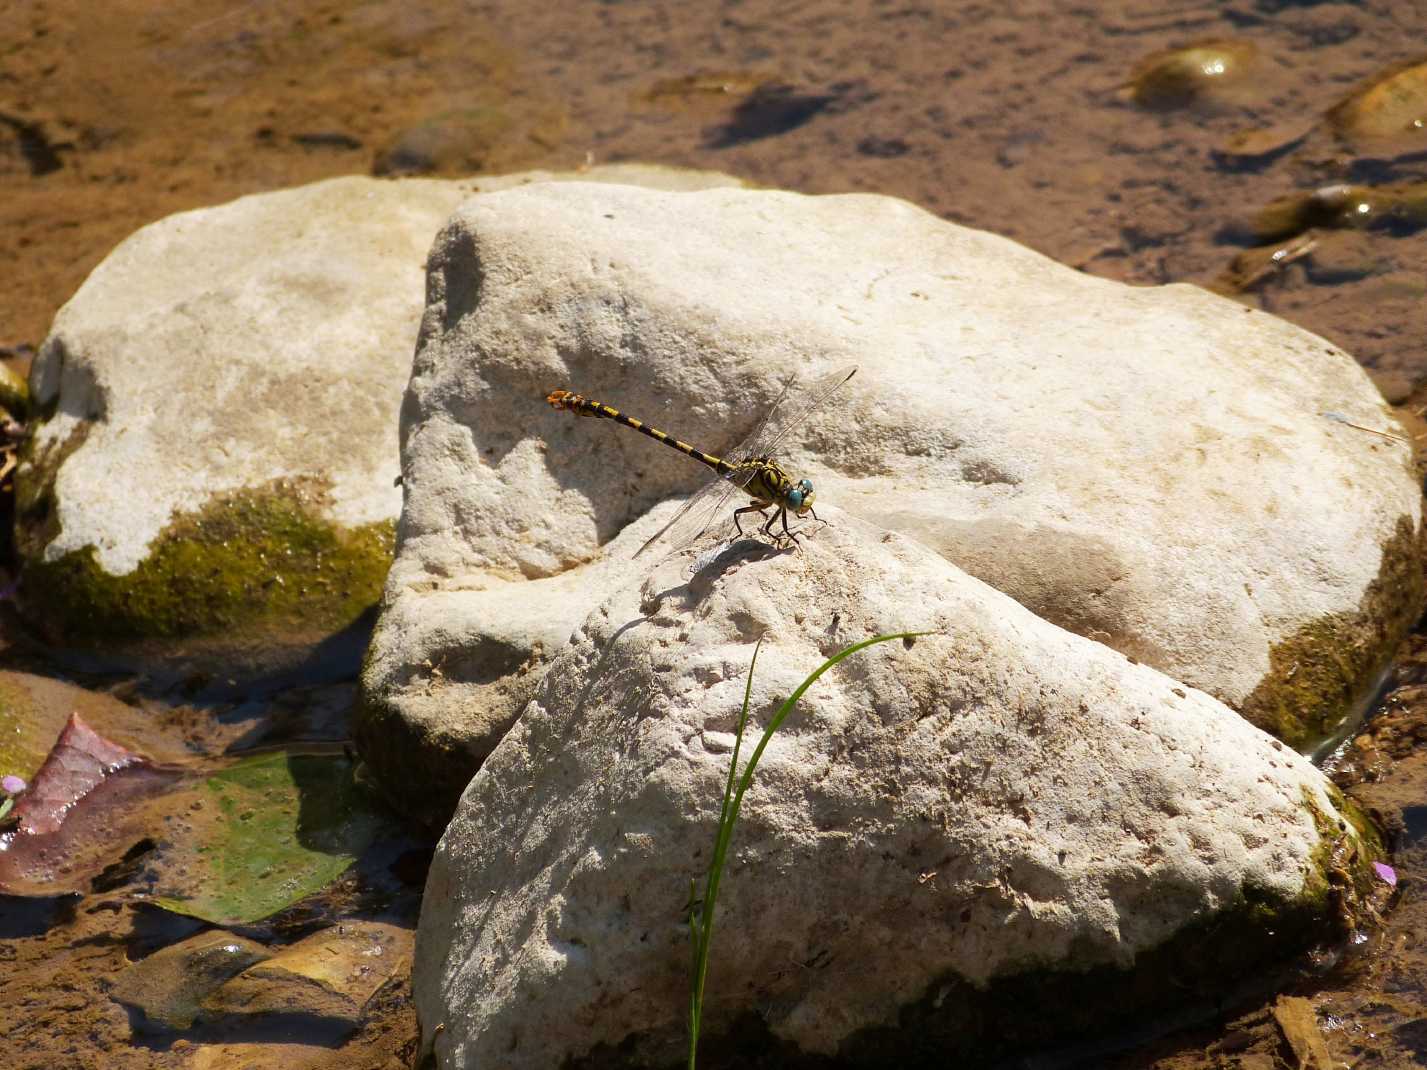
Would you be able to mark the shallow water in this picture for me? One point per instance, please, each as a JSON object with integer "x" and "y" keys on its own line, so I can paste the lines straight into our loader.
{"x": 1027, "y": 118}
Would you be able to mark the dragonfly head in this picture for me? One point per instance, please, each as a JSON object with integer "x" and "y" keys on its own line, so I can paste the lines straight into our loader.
{"x": 800, "y": 497}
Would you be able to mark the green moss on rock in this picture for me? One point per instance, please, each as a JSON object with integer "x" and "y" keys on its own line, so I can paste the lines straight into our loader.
{"x": 24, "y": 738}
{"x": 1317, "y": 674}
{"x": 261, "y": 559}
{"x": 1341, "y": 880}
{"x": 14, "y": 392}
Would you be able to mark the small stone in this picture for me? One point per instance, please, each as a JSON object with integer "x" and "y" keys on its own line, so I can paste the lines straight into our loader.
{"x": 1392, "y": 105}
{"x": 1261, "y": 145}
{"x": 330, "y": 974}
{"x": 707, "y": 91}
{"x": 1182, "y": 76}
{"x": 886, "y": 147}
{"x": 327, "y": 139}
{"x": 170, "y": 984}
{"x": 14, "y": 391}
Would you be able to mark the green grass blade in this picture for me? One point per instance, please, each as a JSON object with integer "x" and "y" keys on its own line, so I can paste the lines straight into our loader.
{"x": 701, "y": 915}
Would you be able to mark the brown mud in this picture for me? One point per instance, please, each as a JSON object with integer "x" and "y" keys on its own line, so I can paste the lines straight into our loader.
{"x": 1083, "y": 131}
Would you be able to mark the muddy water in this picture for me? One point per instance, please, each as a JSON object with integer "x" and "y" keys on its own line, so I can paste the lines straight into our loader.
{"x": 1084, "y": 131}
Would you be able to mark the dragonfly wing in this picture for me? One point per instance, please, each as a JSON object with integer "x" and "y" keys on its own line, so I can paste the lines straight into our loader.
{"x": 693, "y": 518}
{"x": 754, "y": 439}
{"x": 808, "y": 403}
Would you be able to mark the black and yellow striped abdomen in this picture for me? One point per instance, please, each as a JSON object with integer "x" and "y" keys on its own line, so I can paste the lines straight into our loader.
{"x": 567, "y": 401}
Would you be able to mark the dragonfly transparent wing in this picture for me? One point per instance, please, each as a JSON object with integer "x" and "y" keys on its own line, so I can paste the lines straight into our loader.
{"x": 696, "y": 515}
{"x": 750, "y": 442}
{"x": 775, "y": 431}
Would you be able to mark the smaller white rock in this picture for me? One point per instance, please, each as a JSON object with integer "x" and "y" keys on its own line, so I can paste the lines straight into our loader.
{"x": 1000, "y": 794}
{"x": 225, "y": 348}
{"x": 256, "y": 344}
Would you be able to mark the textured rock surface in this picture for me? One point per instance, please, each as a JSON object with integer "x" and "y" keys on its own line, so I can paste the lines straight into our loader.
{"x": 1147, "y": 467}
{"x": 998, "y": 804}
{"x": 219, "y": 404}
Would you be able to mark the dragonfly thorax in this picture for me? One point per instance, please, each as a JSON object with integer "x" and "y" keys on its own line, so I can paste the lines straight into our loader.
{"x": 770, "y": 484}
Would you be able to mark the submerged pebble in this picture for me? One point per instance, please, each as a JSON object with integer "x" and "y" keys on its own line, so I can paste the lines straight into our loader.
{"x": 169, "y": 985}
{"x": 1182, "y": 76}
{"x": 1391, "y": 105}
{"x": 1253, "y": 266}
{"x": 1260, "y": 145}
{"x": 1342, "y": 206}
{"x": 453, "y": 142}
{"x": 1330, "y": 258}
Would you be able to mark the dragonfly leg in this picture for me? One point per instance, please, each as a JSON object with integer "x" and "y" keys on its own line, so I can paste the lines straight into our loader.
{"x": 790, "y": 534}
{"x": 779, "y": 538}
{"x": 755, "y": 508}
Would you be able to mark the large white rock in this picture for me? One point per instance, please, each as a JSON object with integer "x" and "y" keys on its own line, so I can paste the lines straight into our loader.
{"x": 258, "y": 348}
{"x": 1148, "y": 467}
{"x": 1001, "y": 799}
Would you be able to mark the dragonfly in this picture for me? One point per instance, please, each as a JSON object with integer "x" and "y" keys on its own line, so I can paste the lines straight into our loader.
{"x": 749, "y": 467}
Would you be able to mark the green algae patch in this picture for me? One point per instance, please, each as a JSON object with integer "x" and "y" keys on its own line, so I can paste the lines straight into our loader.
{"x": 257, "y": 560}
{"x": 1340, "y": 880}
{"x": 25, "y": 739}
{"x": 1317, "y": 674}
{"x": 14, "y": 392}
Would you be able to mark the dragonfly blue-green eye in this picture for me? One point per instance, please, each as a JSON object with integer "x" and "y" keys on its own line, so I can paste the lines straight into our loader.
{"x": 749, "y": 466}
{"x": 800, "y": 498}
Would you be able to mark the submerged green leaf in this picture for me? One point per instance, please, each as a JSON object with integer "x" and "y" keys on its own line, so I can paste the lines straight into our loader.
{"x": 263, "y": 834}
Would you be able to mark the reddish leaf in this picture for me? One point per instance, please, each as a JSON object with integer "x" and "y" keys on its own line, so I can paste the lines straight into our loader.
{"x": 79, "y": 814}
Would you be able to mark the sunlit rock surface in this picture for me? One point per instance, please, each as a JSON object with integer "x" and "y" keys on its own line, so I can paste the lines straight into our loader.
{"x": 1000, "y": 832}
{"x": 1158, "y": 469}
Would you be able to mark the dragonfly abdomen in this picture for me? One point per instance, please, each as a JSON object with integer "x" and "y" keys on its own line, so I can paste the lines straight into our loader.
{"x": 568, "y": 401}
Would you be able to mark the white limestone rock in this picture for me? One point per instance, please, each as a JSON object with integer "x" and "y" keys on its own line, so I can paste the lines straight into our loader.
{"x": 1150, "y": 467}
{"x": 1001, "y": 799}
{"x": 224, "y": 373}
